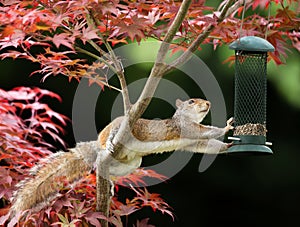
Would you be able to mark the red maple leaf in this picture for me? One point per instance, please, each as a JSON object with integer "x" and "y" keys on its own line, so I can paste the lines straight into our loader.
{"x": 63, "y": 39}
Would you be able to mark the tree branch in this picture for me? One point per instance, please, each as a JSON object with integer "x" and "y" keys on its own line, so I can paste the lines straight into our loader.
{"x": 117, "y": 63}
{"x": 194, "y": 46}
{"x": 156, "y": 74}
{"x": 164, "y": 47}
{"x": 102, "y": 190}
{"x": 137, "y": 109}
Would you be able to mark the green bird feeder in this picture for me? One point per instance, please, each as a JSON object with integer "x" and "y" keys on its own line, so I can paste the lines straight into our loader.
{"x": 249, "y": 136}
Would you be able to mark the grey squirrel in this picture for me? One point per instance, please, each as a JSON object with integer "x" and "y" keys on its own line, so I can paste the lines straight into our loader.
{"x": 181, "y": 132}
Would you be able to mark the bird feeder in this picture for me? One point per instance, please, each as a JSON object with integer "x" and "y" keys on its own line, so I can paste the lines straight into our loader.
{"x": 249, "y": 134}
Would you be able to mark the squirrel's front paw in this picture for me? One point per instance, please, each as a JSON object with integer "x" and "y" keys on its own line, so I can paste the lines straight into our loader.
{"x": 229, "y": 122}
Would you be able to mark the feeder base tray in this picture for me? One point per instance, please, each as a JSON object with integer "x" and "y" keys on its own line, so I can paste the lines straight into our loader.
{"x": 252, "y": 149}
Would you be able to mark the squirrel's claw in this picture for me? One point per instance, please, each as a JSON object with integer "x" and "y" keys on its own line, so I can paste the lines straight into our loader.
{"x": 229, "y": 122}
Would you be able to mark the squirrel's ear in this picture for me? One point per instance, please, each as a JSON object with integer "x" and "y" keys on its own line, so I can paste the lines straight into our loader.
{"x": 178, "y": 102}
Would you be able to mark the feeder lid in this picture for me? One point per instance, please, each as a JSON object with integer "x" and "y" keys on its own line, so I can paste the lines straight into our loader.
{"x": 252, "y": 43}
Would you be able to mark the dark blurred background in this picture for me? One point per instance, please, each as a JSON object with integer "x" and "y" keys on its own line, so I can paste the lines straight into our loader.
{"x": 234, "y": 190}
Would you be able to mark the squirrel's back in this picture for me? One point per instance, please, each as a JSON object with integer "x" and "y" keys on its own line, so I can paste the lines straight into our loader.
{"x": 188, "y": 113}
{"x": 145, "y": 130}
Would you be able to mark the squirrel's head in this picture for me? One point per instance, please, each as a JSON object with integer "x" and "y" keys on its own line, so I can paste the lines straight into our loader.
{"x": 192, "y": 109}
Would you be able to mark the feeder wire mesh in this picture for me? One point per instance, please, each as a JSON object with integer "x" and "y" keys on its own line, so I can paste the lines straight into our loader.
{"x": 250, "y": 93}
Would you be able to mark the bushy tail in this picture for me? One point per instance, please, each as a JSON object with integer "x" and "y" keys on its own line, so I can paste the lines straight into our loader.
{"x": 35, "y": 193}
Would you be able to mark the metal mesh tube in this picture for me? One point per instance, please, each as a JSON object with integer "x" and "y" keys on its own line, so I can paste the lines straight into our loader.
{"x": 250, "y": 93}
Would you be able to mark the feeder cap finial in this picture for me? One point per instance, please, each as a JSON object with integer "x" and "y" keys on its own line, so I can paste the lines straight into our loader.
{"x": 252, "y": 43}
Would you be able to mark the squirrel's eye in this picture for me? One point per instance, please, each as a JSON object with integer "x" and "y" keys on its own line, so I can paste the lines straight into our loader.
{"x": 191, "y": 101}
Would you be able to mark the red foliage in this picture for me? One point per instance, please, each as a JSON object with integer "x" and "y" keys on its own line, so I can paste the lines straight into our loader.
{"x": 137, "y": 178}
{"x": 24, "y": 121}
{"x": 61, "y": 28}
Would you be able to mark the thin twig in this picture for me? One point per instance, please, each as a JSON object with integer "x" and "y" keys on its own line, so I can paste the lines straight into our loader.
{"x": 104, "y": 83}
{"x": 117, "y": 63}
{"x": 164, "y": 47}
{"x": 101, "y": 60}
{"x": 84, "y": 51}
{"x": 242, "y": 19}
{"x": 269, "y": 14}
{"x": 112, "y": 87}
{"x": 236, "y": 5}
{"x": 98, "y": 48}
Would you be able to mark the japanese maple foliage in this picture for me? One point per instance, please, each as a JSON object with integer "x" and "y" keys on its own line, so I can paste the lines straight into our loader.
{"x": 62, "y": 29}
{"x": 24, "y": 123}
{"x": 28, "y": 127}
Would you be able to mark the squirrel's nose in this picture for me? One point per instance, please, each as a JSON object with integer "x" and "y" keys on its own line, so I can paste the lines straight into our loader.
{"x": 208, "y": 104}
